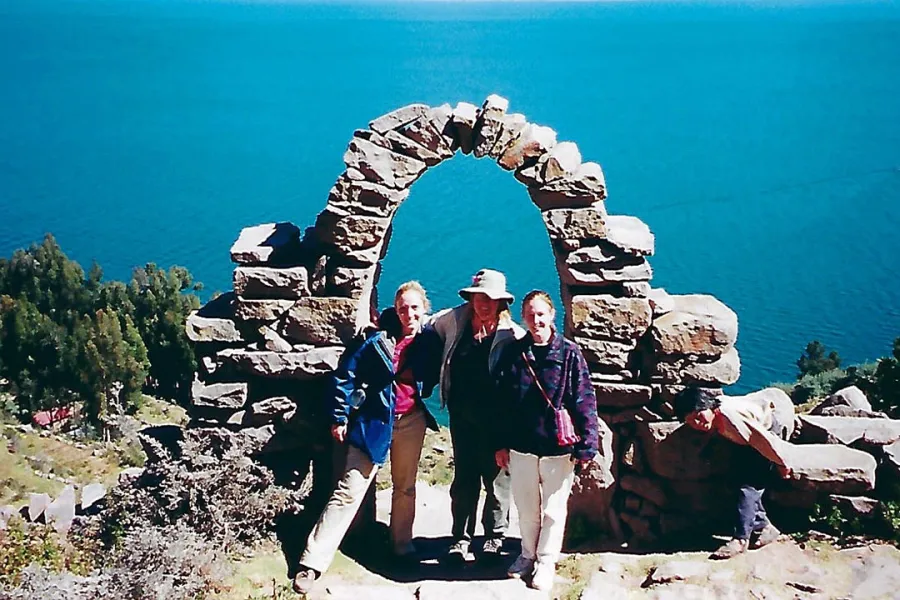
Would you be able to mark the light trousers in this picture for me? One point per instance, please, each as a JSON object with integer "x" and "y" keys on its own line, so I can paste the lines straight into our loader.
{"x": 541, "y": 487}
{"x": 406, "y": 446}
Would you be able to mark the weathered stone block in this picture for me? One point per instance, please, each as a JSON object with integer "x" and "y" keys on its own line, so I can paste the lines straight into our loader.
{"x": 607, "y": 355}
{"x": 830, "y": 468}
{"x": 608, "y": 318}
{"x": 464, "y": 117}
{"x": 725, "y": 370}
{"x": 593, "y": 489}
{"x": 348, "y": 232}
{"x": 264, "y": 311}
{"x": 270, "y": 409}
{"x": 512, "y": 125}
{"x": 351, "y": 283}
{"x": 268, "y": 282}
{"x": 621, "y": 395}
{"x": 379, "y": 165}
{"x": 862, "y": 433}
{"x": 676, "y": 451}
{"x": 489, "y": 124}
{"x": 398, "y": 118}
{"x": 322, "y": 320}
{"x": 441, "y": 118}
{"x": 423, "y": 132}
{"x": 219, "y": 395}
{"x": 563, "y": 160}
{"x": 584, "y": 187}
{"x": 532, "y": 142}
{"x": 599, "y": 266}
{"x": 202, "y": 329}
{"x": 408, "y": 146}
{"x": 636, "y": 289}
{"x": 265, "y": 244}
{"x": 303, "y": 364}
{"x": 851, "y": 397}
{"x": 646, "y": 487}
{"x": 698, "y": 325}
{"x": 629, "y": 234}
{"x": 661, "y": 302}
{"x": 61, "y": 512}
{"x": 272, "y": 341}
{"x": 576, "y": 223}
{"x": 364, "y": 197}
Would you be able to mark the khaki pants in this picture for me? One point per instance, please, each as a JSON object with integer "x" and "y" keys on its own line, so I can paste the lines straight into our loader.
{"x": 406, "y": 446}
{"x": 540, "y": 488}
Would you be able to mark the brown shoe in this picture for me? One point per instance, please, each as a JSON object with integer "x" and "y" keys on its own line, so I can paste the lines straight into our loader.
{"x": 304, "y": 580}
{"x": 730, "y": 549}
{"x": 764, "y": 536}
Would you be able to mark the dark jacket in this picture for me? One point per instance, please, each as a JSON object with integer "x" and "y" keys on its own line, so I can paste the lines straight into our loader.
{"x": 528, "y": 422}
{"x": 369, "y": 370}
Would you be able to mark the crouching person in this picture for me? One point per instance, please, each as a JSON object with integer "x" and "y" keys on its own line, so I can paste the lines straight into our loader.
{"x": 550, "y": 430}
{"x": 385, "y": 381}
{"x": 757, "y": 432}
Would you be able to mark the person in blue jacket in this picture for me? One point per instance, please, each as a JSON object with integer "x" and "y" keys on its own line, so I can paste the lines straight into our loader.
{"x": 378, "y": 409}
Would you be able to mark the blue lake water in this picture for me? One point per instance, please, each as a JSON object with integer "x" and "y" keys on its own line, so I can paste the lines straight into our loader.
{"x": 760, "y": 142}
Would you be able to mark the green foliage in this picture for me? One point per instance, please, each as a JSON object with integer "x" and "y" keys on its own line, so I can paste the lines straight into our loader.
{"x": 814, "y": 360}
{"x": 66, "y": 336}
{"x": 885, "y": 525}
{"x": 887, "y": 383}
{"x": 23, "y": 544}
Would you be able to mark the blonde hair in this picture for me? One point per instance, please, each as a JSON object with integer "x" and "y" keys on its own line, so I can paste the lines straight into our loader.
{"x": 539, "y": 295}
{"x": 413, "y": 286}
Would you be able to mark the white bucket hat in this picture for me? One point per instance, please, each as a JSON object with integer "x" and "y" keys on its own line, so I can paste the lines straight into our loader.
{"x": 490, "y": 283}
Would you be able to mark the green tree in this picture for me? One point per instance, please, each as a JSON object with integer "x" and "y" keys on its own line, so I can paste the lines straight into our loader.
{"x": 162, "y": 301}
{"x": 887, "y": 383}
{"x": 814, "y": 360}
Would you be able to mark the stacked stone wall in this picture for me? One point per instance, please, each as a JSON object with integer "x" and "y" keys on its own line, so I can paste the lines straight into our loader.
{"x": 300, "y": 296}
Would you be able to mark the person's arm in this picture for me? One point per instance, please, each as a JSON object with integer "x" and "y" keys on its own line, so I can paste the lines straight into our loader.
{"x": 344, "y": 381}
{"x": 748, "y": 432}
{"x": 429, "y": 349}
{"x": 505, "y": 390}
{"x": 584, "y": 409}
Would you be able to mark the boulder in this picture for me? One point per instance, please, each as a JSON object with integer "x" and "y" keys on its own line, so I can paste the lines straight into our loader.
{"x": 348, "y": 232}
{"x": 371, "y": 162}
{"x": 424, "y": 132}
{"x": 563, "y": 160}
{"x": 219, "y": 395}
{"x": 489, "y": 124}
{"x": 268, "y": 282}
{"x": 593, "y": 489}
{"x": 850, "y": 397}
{"x": 661, "y": 301}
{"x": 266, "y": 244}
{"x": 214, "y": 322}
{"x": 629, "y": 234}
{"x": 585, "y": 186}
{"x": 37, "y": 504}
{"x": 699, "y": 325}
{"x": 91, "y": 494}
{"x": 364, "y": 197}
{"x": 725, "y": 370}
{"x": 609, "y": 318}
{"x": 61, "y": 512}
{"x": 303, "y": 364}
{"x": 322, "y": 321}
{"x": 862, "y": 433}
{"x": 576, "y": 223}
{"x": 532, "y": 142}
{"x": 261, "y": 311}
{"x": 598, "y": 265}
{"x": 399, "y": 117}
{"x": 830, "y": 468}
{"x": 512, "y": 126}
{"x": 609, "y": 356}
{"x": 677, "y": 452}
{"x": 621, "y": 395}
{"x": 464, "y": 117}
{"x": 856, "y": 507}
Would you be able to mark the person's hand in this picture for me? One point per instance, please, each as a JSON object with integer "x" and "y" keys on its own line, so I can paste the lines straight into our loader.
{"x": 502, "y": 458}
{"x": 339, "y": 432}
{"x": 784, "y": 471}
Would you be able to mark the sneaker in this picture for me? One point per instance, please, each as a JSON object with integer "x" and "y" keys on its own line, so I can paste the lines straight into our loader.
{"x": 543, "y": 577}
{"x": 492, "y": 547}
{"x": 730, "y": 549}
{"x": 521, "y": 567}
{"x": 459, "y": 551}
{"x": 764, "y": 536}
{"x": 304, "y": 580}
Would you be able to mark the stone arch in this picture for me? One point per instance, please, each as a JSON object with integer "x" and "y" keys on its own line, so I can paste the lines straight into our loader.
{"x": 300, "y": 297}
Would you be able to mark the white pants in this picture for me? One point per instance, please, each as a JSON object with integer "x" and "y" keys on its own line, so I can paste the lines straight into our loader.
{"x": 329, "y": 532}
{"x": 540, "y": 488}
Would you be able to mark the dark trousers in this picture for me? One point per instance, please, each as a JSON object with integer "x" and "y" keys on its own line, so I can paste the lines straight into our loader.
{"x": 474, "y": 466}
{"x": 751, "y": 515}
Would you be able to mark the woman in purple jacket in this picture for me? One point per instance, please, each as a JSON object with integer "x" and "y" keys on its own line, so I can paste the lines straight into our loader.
{"x": 542, "y": 471}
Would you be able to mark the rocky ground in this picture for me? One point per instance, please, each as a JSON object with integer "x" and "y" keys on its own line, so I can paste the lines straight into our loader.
{"x": 812, "y": 569}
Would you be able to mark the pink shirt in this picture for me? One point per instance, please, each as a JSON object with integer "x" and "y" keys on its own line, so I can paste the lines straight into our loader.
{"x": 404, "y": 384}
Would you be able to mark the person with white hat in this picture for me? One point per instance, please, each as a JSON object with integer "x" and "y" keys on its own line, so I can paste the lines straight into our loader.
{"x": 474, "y": 335}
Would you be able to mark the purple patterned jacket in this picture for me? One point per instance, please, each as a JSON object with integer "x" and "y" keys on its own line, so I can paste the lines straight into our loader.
{"x": 526, "y": 423}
